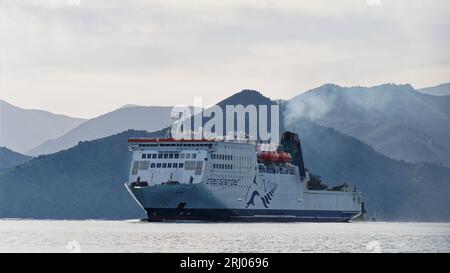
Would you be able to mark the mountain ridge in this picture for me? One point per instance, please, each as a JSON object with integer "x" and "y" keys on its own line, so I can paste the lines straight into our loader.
{"x": 21, "y": 129}
{"x": 150, "y": 118}
{"x": 396, "y": 120}
{"x": 9, "y": 158}
{"x": 438, "y": 90}
{"x": 86, "y": 181}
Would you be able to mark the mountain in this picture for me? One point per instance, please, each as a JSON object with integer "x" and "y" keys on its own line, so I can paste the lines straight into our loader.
{"x": 10, "y": 159}
{"x": 246, "y": 97}
{"x": 137, "y": 118}
{"x": 86, "y": 181}
{"x": 438, "y": 90}
{"x": 128, "y": 117}
{"x": 395, "y": 120}
{"x": 23, "y": 129}
{"x": 394, "y": 190}
{"x": 83, "y": 182}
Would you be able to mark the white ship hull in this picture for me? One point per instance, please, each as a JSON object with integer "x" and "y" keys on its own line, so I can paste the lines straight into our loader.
{"x": 220, "y": 181}
{"x": 162, "y": 203}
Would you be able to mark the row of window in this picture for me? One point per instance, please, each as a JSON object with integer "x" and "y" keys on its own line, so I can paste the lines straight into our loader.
{"x": 167, "y": 165}
{"x": 209, "y": 145}
{"x": 238, "y": 147}
{"x": 177, "y": 145}
{"x": 168, "y": 156}
{"x": 223, "y": 166}
{"x": 221, "y": 157}
{"x": 263, "y": 169}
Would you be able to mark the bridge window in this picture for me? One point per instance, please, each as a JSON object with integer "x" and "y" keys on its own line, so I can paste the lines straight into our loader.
{"x": 190, "y": 165}
{"x": 160, "y": 156}
{"x": 169, "y": 165}
{"x": 177, "y": 156}
{"x": 158, "y": 165}
{"x": 152, "y": 165}
{"x": 135, "y": 168}
{"x": 154, "y": 156}
{"x": 144, "y": 165}
{"x": 198, "y": 168}
{"x": 262, "y": 169}
{"x": 164, "y": 165}
{"x": 143, "y": 156}
{"x": 166, "y": 156}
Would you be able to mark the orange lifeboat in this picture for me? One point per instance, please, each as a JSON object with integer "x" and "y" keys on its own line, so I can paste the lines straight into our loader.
{"x": 268, "y": 157}
{"x": 284, "y": 157}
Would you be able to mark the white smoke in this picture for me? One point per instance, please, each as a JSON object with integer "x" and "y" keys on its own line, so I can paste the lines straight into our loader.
{"x": 317, "y": 103}
{"x": 310, "y": 106}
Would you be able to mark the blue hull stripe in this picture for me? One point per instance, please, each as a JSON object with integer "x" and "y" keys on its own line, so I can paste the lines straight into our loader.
{"x": 250, "y": 215}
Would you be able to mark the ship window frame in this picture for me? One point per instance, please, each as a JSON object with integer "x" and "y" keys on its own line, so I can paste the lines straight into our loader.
{"x": 135, "y": 168}
{"x": 164, "y": 165}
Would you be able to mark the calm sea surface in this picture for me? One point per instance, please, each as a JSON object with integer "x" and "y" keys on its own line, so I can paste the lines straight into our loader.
{"x": 136, "y": 236}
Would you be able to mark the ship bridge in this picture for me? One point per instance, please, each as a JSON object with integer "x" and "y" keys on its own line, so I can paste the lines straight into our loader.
{"x": 168, "y": 161}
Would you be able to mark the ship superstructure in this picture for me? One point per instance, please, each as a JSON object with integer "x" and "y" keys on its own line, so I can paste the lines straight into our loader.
{"x": 232, "y": 181}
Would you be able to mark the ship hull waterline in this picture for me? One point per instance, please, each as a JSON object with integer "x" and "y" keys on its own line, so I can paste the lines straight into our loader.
{"x": 247, "y": 215}
{"x": 177, "y": 213}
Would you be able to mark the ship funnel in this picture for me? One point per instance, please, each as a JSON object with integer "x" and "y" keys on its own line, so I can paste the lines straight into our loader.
{"x": 291, "y": 144}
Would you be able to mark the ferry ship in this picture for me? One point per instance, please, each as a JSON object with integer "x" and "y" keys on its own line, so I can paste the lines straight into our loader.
{"x": 239, "y": 180}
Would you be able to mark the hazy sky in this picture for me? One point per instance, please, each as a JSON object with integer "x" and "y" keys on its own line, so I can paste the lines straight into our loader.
{"x": 87, "y": 57}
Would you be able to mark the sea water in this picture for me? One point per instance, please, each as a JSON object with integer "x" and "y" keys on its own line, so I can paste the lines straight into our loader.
{"x": 137, "y": 236}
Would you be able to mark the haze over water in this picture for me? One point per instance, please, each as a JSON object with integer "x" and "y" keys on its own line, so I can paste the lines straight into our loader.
{"x": 135, "y": 236}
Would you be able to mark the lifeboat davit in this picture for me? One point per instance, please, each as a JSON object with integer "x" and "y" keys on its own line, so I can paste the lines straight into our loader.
{"x": 284, "y": 157}
{"x": 268, "y": 156}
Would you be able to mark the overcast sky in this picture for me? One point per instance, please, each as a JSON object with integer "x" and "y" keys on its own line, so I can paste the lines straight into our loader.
{"x": 87, "y": 57}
